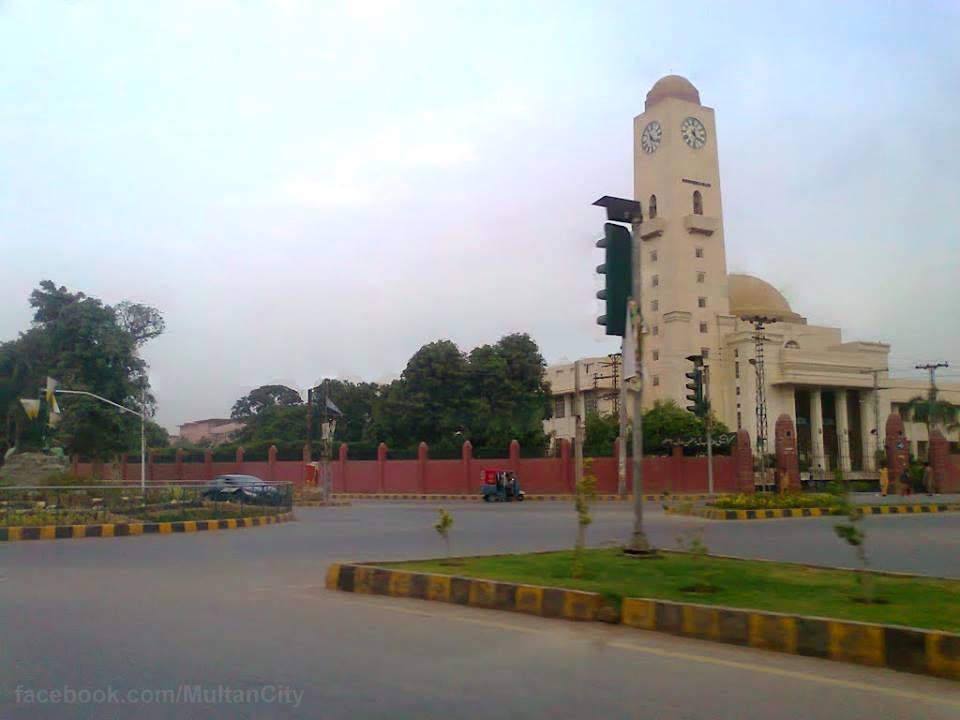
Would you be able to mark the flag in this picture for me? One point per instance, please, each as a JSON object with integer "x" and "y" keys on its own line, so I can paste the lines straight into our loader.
{"x": 31, "y": 408}
{"x": 331, "y": 406}
{"x": 51, "y": 397}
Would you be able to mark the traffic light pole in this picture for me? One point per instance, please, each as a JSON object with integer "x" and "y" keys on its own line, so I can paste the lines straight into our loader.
{"x": 623, "y": 296}
{"x": 622, "y": 450}
{"x": 707, "y": 421}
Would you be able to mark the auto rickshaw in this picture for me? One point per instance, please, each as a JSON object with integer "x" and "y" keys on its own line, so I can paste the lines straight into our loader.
{"x": 500, "y": 486}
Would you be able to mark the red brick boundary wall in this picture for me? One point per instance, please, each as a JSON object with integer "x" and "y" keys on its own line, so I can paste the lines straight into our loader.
{"x": 788, "y": 462}
{"x": 552, "y": 475}
{"x": 945, "y": 466}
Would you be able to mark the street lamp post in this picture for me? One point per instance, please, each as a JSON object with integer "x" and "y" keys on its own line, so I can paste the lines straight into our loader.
{"x": 143, "y": 422}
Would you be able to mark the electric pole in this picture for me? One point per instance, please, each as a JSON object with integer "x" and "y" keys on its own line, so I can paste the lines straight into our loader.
{"x": 876, "y": 414}
{"x": 932, "y": 397}
{"x": 759, "y": 339}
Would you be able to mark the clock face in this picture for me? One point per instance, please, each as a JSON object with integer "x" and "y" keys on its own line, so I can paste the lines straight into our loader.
{"x": 694, "y": 133}
{"x": 650, "y": 137}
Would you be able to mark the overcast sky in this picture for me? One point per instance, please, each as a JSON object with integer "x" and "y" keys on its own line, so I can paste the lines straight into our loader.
{"x": 310, "y": 189}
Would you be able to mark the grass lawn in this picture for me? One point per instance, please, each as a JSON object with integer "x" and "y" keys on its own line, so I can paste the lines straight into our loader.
{"x": 925, "y": 603}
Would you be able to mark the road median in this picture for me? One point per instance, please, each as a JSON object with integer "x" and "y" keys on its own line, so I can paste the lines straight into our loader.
{"x": 772, "y": 606}
{"x": 131, "y": 529}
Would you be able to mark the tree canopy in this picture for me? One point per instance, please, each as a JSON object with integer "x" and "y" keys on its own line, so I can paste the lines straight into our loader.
{"x": 265, "y": 396}
{"x": 663, "y": 422}
{"x": 444, "y": 396}
{"x": 86, "y": 345}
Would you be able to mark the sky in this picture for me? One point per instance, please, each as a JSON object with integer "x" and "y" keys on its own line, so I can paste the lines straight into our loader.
{"x": 316, "y": 189}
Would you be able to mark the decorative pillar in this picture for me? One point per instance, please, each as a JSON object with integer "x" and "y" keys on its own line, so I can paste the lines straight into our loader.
{"x": 566, "y": 469}
{"x": 423, "y": 452}
{"x": 788, "y": 464}
{"x": 342, "y": 459}
{"x": 743, "y": 462}
{"x": 239, "y": 460}
{"x": 123, "y": 468}
{"x": 381, "y": 466}
{"x": 272, "y": 462}
{"x": 898, "y": 447}
{"x": 208, "y": 464}
{"x": 178, "y": 458}
{"x": 819, "y": 460}
{"x": 676, "y": 468}
{"x": 939, "y": 457}
{"x": 843, "y": 429}
{"x": 466, "y": 457}
{"x": 514, "y": 455}
{"x": 150, "y": 462}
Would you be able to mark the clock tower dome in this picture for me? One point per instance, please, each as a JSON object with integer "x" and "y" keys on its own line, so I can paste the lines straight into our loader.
{"x": 680, "y": 253}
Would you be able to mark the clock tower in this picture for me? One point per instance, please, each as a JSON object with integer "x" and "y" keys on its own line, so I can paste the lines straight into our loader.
{"x": 681, "y": 259}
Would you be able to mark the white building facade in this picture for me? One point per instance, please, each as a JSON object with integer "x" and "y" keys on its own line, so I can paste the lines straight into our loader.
{"x": 691, "y": 305}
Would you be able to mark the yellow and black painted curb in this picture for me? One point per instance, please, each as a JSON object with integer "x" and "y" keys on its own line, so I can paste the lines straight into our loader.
{"x": 65, "y": 532}
{"x": 926, "y": 652}
{"x": 476, "y": 498}
{"x": 715, "y": 514}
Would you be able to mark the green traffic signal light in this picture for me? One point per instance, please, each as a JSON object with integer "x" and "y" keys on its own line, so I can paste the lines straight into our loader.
{"x": 618, "y": 271}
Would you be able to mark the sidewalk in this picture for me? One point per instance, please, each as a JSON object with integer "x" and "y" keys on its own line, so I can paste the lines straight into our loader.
{"x": 914, "y": 499}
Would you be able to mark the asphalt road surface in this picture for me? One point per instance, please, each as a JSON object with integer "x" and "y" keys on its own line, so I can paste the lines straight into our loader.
{"x": 239, "y": 624}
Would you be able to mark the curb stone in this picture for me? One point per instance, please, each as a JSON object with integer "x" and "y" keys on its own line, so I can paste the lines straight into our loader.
{"x": 715, "y": 514}
{"x": 915, "y": 650}
{"x": 66, "y": 532}
{"x": 534, "y": 498}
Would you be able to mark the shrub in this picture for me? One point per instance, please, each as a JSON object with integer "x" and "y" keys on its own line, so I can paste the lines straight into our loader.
{"x": 771, "y": 501}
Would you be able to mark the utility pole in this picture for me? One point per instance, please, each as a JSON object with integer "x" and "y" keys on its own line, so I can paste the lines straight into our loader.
{"x": 309, "y": 425}
{"x": 932, "y": 397}
{"x": 577, "y": 430}
{"x": 620, "y": 398}
{"x": 759, "y": 339}
{"x": 876, "y": 414}
{"x": 327, "y": 445}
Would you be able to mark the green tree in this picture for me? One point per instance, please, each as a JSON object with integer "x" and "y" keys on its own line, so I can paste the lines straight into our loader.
{"x": 932, "y": 411}
{"x": 356, "y": 401}
{"x": 280, "y": 425}
{"x": 667, "y": 421}
{"x": 429, "y": 401}
{"x": 86, "y": 345}
{"x": 265, "y": 396}
{"x": 600, "y": 432}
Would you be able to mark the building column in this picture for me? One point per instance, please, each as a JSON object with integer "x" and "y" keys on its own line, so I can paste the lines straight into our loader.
{"x": 843, "y": 429}
{"x": 816, "y": 432}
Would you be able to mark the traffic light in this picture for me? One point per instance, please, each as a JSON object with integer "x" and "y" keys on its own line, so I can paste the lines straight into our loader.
{"x": 695, "y": 386}
{"x": 618, "y": 269}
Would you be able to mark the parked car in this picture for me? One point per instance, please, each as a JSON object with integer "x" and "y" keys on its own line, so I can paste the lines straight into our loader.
{"x": 242, "y": 488}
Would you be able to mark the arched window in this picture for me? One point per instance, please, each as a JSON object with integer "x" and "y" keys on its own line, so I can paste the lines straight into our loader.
{"x": 653, "y": 206}
{"x": 697, "y": 203}
{"x": 792, "y": 345}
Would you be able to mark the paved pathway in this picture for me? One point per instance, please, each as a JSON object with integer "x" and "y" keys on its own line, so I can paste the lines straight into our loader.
{"x": 246, "y": 609}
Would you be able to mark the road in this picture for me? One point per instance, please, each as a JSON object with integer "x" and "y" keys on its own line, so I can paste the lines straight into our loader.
{"x": 246, "y": 609}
